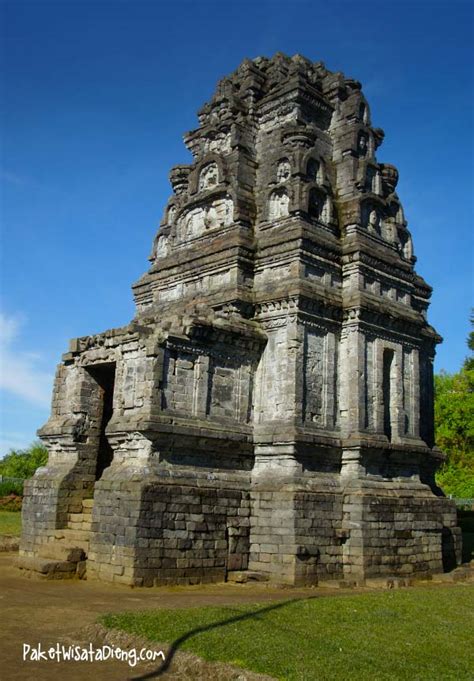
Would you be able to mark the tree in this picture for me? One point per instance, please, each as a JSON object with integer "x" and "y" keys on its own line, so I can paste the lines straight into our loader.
{"x": 469, "y": 361}
{"x": 454, "y": 425}
{"x": 22, "y": 463}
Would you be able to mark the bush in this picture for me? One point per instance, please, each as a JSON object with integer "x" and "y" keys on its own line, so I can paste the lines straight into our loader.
{"x": 9, "y": 487}
{"x": 457, "y": 480}
{"x": 22, "y": 463}
{"x": 10, "y": 503}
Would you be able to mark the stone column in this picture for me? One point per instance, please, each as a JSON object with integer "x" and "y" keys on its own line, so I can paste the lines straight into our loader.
{"x": 201, "y": 385}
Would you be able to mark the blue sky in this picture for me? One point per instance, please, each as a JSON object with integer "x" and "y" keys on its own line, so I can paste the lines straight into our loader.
{"x": 96, "y": 97}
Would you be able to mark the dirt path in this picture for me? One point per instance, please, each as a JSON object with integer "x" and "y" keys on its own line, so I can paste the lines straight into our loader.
{"x": 35, "y": 611}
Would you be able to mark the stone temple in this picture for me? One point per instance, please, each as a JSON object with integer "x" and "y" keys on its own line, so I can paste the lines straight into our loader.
{"x": 270, "y": 407}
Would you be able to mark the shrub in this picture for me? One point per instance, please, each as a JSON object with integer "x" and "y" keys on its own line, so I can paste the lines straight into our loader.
{"x": 10, "y": 503}
{"x": 10, "y": 487}
{"x": 22, "y": 463}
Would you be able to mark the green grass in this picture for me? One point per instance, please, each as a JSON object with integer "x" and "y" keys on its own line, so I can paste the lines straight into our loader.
{"x": 420, "y": 633}
{"x": 10, "y": 522}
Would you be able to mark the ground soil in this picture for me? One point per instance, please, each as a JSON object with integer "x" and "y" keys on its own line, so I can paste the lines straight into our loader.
{"x": 47, "y": 612}
{"x": 50, "y": 611}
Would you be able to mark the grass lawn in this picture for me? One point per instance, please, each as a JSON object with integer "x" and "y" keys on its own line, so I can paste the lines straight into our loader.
{"x": 418, "y": 633}
{"x": 10, "y": 522}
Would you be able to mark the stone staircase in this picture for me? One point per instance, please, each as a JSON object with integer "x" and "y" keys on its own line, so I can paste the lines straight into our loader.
{"x": 65, "y": 556}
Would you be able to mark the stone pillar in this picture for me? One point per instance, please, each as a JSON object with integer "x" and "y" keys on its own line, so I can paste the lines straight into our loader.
{"x": 351, "y": 384}
{"x": 201, "y": 386}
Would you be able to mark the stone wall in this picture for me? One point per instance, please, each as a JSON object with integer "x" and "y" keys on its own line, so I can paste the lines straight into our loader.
{"x": 155, "y": 532}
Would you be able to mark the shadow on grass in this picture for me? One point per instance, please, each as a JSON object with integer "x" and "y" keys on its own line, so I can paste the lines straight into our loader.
{"x": 166, "y": 664}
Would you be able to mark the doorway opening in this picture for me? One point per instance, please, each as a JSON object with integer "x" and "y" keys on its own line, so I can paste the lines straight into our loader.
{"x": 388, "y": 356}
{"x": 104, "y": 376}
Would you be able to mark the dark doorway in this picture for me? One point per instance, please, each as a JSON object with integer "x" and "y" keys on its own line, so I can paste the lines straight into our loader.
{"x": 104, "y": 375}
{"x": 387, "y": 392}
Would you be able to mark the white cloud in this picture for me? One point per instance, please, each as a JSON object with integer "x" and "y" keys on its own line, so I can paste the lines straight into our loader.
{"x": 20, "y": 373}
{"x": 12, "y": 178}
{"x": 14, "y": 441}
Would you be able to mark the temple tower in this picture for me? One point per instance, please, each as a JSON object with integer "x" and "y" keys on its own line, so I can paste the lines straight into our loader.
{"x": 270, "y": 407}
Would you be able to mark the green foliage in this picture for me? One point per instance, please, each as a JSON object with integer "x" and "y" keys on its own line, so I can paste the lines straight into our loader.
{"x": 454, "y": 426}
{"x": 470, "y": 339}
{"x": 10, "y": 487}
{"x": 454, "y": 415}
{"x": 22, "y": 463}
{"x": 424, "y": 633}
{"x": 469, "y": 361}
{"x": 456, "y": 480}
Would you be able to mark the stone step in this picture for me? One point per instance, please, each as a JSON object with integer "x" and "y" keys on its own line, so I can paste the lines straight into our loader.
{"x": 81, "y": 525}
{"x": 464, "y": 573}
{"x": 78, "y": 517}
{"x": 76, "y": 525}
{"x": 48, "y": 568}
{"x": 61, "y": 551}
{"x": 79, "y": 538}
{"x": 244, "y": 576}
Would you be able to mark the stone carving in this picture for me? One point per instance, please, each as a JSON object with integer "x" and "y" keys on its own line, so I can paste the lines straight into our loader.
{"x": 407, "y": 247}
{"x": 374, "y": 181}
{"x": 373, "y": 223}
{"x": 218, "y": 142}
{"x": 194, "y": 222}
{"x": 208, "y": 177}
{"x": 327, "y": 214}
{"x": 362, "y": 145}
{"x": 161, "y": 249}
{"x": 283, "y": 171}
{"x": 389, "y": 177}
{"x": 171, "y": 215}
{"x": 179, "y": 179}
{"x": 279, "y": 204}
{"x": 270, "y": 406}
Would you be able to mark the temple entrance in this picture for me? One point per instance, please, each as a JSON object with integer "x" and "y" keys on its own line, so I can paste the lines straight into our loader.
{"x": 104, "y": 376}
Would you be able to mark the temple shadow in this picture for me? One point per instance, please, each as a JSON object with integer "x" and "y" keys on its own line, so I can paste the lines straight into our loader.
{"x": 166, "y": 664}
{"x": 448, "y": 550}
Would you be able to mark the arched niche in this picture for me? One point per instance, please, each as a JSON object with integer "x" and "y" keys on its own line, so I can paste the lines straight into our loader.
{"x": 362, "y": 144}
{"x": 171, "y": 214}
{"x": 208, "y": 177}
{"x": 406, "y": 245}
{"x": 278, "y": 204}
{"x": 374, "y": 181}
{"x": 317, "y": 205}
{"x": 161, "y": 246}
{"x": 400, "y": 217}
{"x": 372, "y": 219}
{"x": 389, "y": 231}
{"x": 201, "y": 218}
{"x": 313, "y": 170}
